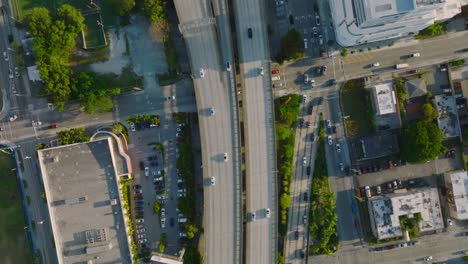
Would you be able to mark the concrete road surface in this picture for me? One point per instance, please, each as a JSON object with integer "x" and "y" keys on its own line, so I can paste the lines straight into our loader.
{"x": 259, "y": 132}
{"x": 218, "y": 132}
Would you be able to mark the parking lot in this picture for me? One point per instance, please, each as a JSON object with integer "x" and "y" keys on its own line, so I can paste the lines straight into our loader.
{"x": 154, "y": 153}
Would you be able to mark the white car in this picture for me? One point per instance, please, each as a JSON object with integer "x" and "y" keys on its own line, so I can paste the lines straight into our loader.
{"x": 141, "y": 236}
{"x": 140, "y": 221}
{"x": 13, "y": 118}
{"x": 146, "y": 171}
{"x": 141, "y": 231}
{"x": 182, "y": 234}
{"x": 330, "y": 141}
{"x": 163, "y": 213}
{"x": 228, "y": 66}
{"x": 304, "y": 219}
{"x": 304, "y": 161}
{"x": 225, "y": 156}
{"x": 212, "y": 111}
{"x": 304, "y": 98}
{"x": 267, "y": 213}
{"x": 338, "y": 148}
{"x": 261, "y": 71}
{"x": 414, "y": 55}
{"x": 5, "y": 56}
{"x": 252, "y": 216}
{"x": 375, "y": 64}
{"x": 10, "y": 74}
{"x": 328, "y": 123}
{"x": 132, "y": 127}
{"x": 428, "y": 258}
{"x": 314, "y": 30}
{"x": 312, "y": 83}
{"x": 142, "y": 241}
{"x": 163, "y": 222}
{"x": 212, "y": 181}
{"x": 17, "y": 72}
{"x": 202, "y": 73}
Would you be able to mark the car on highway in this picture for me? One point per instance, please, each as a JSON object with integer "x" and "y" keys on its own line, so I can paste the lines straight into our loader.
{"x": 249, "y": 32}
{"x": 414, "y": 55}
{"x": 212, "y": 111}
{"x": 330, "y": 141}
{"x": 304, "y": 219}
{"x": 132, "y": 127}
{"x": 146, "y": 171}
{"x": 305, "y": 197}
{"x": 10, "y": 74}
{"x": 225, "y": 157}
{"x": 308, "y": 170}
{"x": 338, "y": 148}
{"x": 375, "y": 64}
{"x": 5, "y": 56}
{"x": 13, "y": 118}
{"x": 202, "y": 73}
{"x": 428, "y": 258}
{"x": 261, "y": 72}
{"x": 464, "y": 234}
{"x": 252, "y": 216}
{"x": 212, "y": 181}
{"x": 228, "y": 66}
{"x": 317, "y": 20}
{"x": 462, "y": 50}
{"x": 296, "y": 235}
{"x": 304, "y": 161}
{"x": 267, "y": 212}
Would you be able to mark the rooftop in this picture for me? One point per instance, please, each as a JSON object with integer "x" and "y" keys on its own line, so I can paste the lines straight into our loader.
{"x": 416, "y": 87}
{"x": 448, "y": 115}
{"x": 386, "y": 210}
{"x": 457, "y": 194}
{"x": 84, "y": 205}
{"x": 384, "y": 98}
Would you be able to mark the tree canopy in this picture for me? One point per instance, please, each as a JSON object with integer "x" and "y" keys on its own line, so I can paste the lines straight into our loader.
{"x": 421, "y": 141}
{"x": 291, "y": 46}
{"x": 154, "y": 10}
{"x": 54, "y": 39}
{"x": 429, "y": 112}
{"x": 94, "y": 92}
{"x": 74, "y": 135}
{"x": 123, "y": 7}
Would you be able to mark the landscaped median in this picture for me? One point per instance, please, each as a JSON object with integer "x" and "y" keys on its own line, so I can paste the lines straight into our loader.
{"x": 124, "y": 186}
{"x": 322, "y": 215}
{"x": 286, "y": 114}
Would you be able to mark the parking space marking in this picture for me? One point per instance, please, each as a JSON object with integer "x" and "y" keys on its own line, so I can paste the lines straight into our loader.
{"x": 358, "y": 58}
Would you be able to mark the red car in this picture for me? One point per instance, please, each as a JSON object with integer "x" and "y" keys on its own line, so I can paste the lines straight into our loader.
{"x": 53, "y": 126}
{"x": 275, "y": 71}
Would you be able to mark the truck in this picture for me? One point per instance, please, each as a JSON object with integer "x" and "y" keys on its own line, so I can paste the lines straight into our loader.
{"x": 401, "y": 66}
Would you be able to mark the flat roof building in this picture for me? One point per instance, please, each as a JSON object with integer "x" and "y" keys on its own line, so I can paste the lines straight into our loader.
{"x": 84, "y": 205}
{"x": 385, "y": 211}
{"x": 359, "y": 22}
{"x": 447, "y": 118}
{"x": 457, "y": 194}
{"x": 384, "y": 98}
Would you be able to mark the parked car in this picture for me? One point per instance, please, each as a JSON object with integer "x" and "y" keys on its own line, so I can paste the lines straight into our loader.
{"x": 308, "y": 170}
{"x": 330, "y": 141}
{"x": 296, "y": 235}
{"x": 252, "y": 216}
{"x": 305, "y": 197}
{"x": 249, "y": 32}
{"x": 267, "y": 212}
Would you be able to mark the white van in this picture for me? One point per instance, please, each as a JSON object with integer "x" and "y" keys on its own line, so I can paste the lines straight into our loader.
{"x": 275, "y": 78}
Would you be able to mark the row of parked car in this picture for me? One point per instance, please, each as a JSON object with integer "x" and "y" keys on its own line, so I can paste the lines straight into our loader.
{"x": 377, "y": 190}
{"x": 393, "y": 246}
{"x": 378, "y": 166}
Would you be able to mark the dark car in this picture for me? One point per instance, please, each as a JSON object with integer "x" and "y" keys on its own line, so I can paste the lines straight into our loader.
{"x": 311, "y": 108}
{"x": 315, "y": 8}
{"x": 302, "y": 254}
{"x": 296, "y": 235}
{"x": 136, "y": 187}
{"x": 171, "y": 221}
{"x": 308, "y": 169}
{"x": 139, "y": 197}
{"x": 305, "y": 197}
{"x": 249, "y": 32}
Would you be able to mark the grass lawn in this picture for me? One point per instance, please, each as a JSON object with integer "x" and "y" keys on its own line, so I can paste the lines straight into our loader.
{"x": 93, "y": 32}
{"x": 357, "y": 108}
{"x": 14, "y": 246}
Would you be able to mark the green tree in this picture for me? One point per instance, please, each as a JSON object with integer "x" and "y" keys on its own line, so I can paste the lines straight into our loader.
{"x": 282, "y": 132}
{"x": 74, "y": 135}
{"x": 421, "y": 141}
{"x": 291, "y": 46}
{"x": 95, "y": 92}
{"x": 39, "y": 22}
{"x": 344, "y": 52}
{"x": 154, "y": 10}
{"x": 465, "y": 10}
{"x": 157, "y": 208}
{"x": 429, "y": 112}
{"x": 123, "y": 7}
{"x": 191, "y": 230}
{"x": 117, "y": 128}
{"x": 285, "y": 200}
{"x": 71, "y": 17}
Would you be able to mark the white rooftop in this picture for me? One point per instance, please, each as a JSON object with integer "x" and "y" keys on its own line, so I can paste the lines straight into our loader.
{"x": 384, "y": 98}
{"x": 386, "y": 211}
{"x": 457, "y": 192}
{"x": 447, "y": 119}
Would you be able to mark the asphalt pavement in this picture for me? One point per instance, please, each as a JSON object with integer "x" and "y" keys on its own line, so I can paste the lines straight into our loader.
{"x": 260, "y": 158}
{"x": 217, "y": 119}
